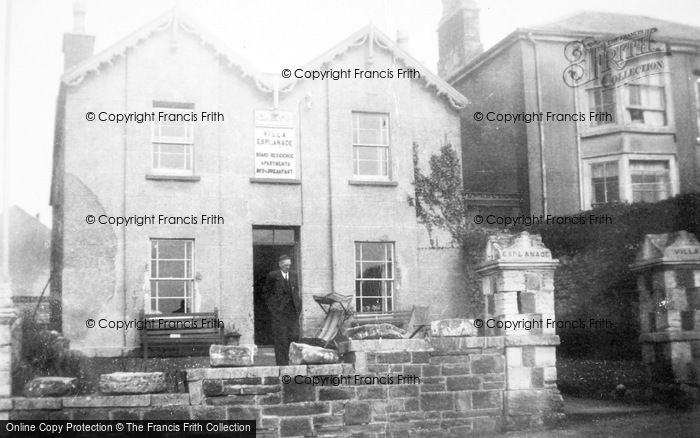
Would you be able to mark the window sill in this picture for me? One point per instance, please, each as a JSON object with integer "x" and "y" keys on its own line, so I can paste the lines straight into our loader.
{"x": 275, "y": 181}
{"x": 365, "y": 182}
{"x": 615, "y": 129}
{"x": 164, "y": 177}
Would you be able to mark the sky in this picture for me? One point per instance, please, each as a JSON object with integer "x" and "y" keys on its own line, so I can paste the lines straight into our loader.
{"x": 272, "y": 34}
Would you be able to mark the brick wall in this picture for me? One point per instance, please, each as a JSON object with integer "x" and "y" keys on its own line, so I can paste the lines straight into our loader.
{"x": 459, "y": 388}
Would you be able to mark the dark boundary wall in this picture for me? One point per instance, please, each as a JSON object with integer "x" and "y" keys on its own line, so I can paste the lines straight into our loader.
{"x": 462, "y": 391}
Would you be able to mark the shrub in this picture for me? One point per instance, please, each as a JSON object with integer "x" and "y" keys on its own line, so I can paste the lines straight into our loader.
{"x": 43, "y": 353}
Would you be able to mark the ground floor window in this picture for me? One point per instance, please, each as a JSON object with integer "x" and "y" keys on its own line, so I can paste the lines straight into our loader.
{"x": 650, "y": 181}
{"x": 630, "y": 178}
{"x": 605, "y": 182}
{"x": 172, "y": 275}
{"x": 374, "y": 276}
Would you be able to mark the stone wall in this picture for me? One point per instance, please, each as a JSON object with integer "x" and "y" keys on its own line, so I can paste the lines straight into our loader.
{"x": 452, "y": 386}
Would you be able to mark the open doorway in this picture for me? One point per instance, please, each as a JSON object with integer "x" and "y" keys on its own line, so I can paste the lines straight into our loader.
{"x": 268, "y": 244}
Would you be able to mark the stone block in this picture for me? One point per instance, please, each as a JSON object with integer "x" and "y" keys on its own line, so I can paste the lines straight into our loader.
{"x": 298, "y": 392}
{"x": 452, "y": 369}
{"x": 486, "y": 400}
{"x": 545, "y": 356}
{"x": 544, "y": 302}
{"x": 550, "y": 374}
{"x": 170, "y": 399}
{"x": 514, "y": 357}
{"x": 232, "y": 355}
{"x": 437, "y": 401}
{"x": 527, "y": 402}
{"x": 461, "y": 383}
{"x": 453, "y": 327}
{"x": 533, "y": 281}
{"x": 506, "y": 303}
{"x": 132, "y": 383}
{"x": 463, "y": 401}
{"x": 109, "y": 401}
{"x": 392, "y": 357}
{"x": 296, "y": 427}
{"x": 25, "y": 404}
{"x": 519, "y": 378}
{"x": 326, "y": 394}
{"x": 510, "y": 281}
{"x": 309, "y": 354}
{"x": 357, "y": 413}
{"x": 296, "y": 409}
{"x": 375, "y": 331}
{"x": 51, "y": 387}
{"x": 487, "y": 364}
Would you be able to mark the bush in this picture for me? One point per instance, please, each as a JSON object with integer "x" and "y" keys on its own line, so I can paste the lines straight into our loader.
{"x": 594, "y": 280}
{"x": 43, "y": 353}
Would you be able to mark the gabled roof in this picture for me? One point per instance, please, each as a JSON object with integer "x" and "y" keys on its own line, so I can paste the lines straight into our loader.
{"x": 606, "y": 23}
{"x": 376, "y": 39}
{"x": 174, "y": 21}
{"x": 590, "y": 24}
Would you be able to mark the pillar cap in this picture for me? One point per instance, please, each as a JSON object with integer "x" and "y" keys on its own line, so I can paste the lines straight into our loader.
{"x": 517, "y": 251}
{"x": 677, "y": 248}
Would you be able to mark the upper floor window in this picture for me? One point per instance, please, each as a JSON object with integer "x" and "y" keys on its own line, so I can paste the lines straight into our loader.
{"x": 172, "y": 275}
{"x": 173, "y": 138}
{"x": 605, "y": 182}
{"x": 374, "y": 276}
{"x": 650, "y": 180}
{"x": 370, "y": 138}
{"x": 602, "y": 100}
{"x": 646, "y": 101}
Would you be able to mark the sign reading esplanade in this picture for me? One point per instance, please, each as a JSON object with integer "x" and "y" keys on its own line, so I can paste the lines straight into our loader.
{"x": 523, "y": 246}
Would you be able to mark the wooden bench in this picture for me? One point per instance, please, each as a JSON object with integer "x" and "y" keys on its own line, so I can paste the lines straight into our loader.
{"x": 399, "y": 318}
{"x": 182, "y": 333}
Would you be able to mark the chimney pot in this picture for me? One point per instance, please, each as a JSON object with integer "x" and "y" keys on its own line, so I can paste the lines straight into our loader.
{"x": 402, "y": 39}
{"x": 77, "y": 46}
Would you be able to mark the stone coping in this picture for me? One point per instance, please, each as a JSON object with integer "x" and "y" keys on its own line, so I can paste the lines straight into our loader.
{"x": 685, "y": 335}
{"x": 462, "y": 344}
{"x": 377, "y": 345}
{"x": 530, "y": 340}
{"x": 94, "y": 401}
{"x": 194, "y": 374}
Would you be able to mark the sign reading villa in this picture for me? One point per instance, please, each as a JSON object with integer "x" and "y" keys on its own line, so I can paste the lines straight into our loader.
{"x": 275, "y": 146}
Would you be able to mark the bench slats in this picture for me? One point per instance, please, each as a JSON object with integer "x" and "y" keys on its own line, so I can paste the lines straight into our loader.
{"x": 155, "y": 335}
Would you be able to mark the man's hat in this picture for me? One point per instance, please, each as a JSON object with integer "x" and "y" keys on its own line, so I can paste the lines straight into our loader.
{"x": 284, "y": 257}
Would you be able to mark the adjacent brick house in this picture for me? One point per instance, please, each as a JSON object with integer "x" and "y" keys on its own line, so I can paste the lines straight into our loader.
{"x": 336, "y": 200}
{"x": 648, "y": 150}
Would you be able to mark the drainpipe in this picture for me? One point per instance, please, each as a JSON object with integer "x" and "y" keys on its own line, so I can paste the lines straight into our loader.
{"x": 579, "y": 165}
{"x": 330, "y": 184}
{"x": 540, "y": 124}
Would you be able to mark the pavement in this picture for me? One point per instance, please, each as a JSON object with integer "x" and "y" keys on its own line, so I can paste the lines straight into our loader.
{"x": 611, "y": 419}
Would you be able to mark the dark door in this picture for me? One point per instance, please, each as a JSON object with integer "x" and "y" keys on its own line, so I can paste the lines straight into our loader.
{"x": 269, "y": 243}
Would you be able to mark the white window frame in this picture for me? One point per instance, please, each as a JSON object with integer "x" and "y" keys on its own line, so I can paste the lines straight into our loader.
{"x": 625, "y": 175}
{"x": 387, "y": 298}
{"x": 386, "y": 148}
{"x": 590, "y": 180}
{"x": 644, "y": 83}
{"x": 593, "y": 108}
{"x": 191, "y": 305}
{"x": 186, "y": 142}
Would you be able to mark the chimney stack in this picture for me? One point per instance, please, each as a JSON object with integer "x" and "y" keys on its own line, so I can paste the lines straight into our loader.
{"x": 459, "y": 36}
{"x": 77, "y": 46}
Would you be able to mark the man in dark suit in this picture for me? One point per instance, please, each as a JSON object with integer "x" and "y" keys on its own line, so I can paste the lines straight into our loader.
{"x": 282, "y": 297}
